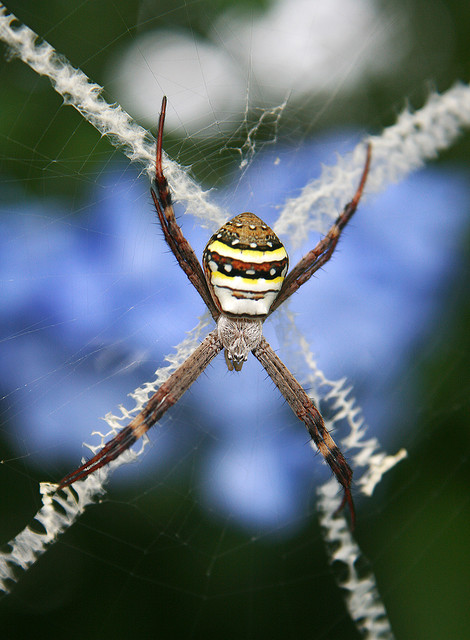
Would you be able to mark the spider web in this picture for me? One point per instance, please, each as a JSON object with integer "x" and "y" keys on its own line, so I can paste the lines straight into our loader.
{"x": 402, "y": 148}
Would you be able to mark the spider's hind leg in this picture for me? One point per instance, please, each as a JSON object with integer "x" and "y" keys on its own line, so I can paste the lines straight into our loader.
{"x": 319, "y": 255}
{"x": 174, "y": 237}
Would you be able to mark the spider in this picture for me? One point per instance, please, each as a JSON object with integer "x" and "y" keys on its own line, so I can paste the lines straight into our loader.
{"x": 242, "y": 281}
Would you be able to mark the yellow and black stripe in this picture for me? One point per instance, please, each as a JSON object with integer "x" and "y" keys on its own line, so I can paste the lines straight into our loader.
{"x": 245, "y": 264}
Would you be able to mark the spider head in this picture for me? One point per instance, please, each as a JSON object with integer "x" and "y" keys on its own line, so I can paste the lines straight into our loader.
{"x": 239, "y": 336}
{"x": 233, "y": 362}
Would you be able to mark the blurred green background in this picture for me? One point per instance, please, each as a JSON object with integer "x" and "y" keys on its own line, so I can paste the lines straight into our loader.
{"x": 115, "y": 574}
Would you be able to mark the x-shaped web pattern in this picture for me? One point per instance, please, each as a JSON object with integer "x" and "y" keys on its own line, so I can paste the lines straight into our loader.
{"x": 400, "y": 149}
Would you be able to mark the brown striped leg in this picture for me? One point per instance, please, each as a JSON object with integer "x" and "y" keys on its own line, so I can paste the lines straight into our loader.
{"x": 166, "y": 396}
{"x": 317, "y": 257}
{"x": 304, "y": 409}
{"x": 174, "y": 237}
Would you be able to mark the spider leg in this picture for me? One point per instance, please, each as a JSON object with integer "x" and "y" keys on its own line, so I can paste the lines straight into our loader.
{"x": 306, "y": 411}
{"x": 174, "y": 237}
{"x": 159, "y": 403}
{"x": 319, "y": 255}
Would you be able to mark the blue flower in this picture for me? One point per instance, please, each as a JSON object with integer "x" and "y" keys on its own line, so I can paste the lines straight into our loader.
{"x": 91, "y": 302}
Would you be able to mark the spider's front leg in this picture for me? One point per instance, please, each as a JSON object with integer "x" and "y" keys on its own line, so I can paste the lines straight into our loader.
{"x": 306, "y": 411}
{"x": 166, "y": 396}
{"x": 174, "y": 237}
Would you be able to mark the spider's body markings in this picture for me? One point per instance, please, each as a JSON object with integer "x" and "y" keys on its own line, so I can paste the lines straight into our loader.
{"x": 243, "y": 282}
{"x": 245, "y": 264}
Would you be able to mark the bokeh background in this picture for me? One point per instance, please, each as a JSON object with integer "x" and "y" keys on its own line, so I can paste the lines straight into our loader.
{"x": 214, "y": 530}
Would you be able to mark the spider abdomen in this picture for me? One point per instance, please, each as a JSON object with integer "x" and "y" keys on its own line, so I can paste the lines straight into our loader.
{"x": 245, "y": 264}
